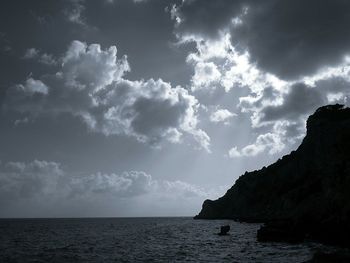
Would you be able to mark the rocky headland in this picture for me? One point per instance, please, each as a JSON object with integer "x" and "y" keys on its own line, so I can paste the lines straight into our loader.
{"x": 305, "y": 194}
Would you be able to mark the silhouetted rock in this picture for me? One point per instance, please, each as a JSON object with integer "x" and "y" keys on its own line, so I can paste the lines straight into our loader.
{"x": 280, "y": 231}
{"x": 224, "y": 230}
{"x": 330, "y": 257}
{"x": 309, "y": 188}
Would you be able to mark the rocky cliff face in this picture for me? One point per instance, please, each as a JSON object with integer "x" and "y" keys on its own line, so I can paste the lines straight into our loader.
{"x": 309, "y": 188}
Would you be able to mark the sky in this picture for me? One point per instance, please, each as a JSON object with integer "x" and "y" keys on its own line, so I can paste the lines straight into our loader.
{"x": 122, "y": 108}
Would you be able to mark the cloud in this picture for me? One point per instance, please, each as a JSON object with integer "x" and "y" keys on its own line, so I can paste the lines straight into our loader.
{"x": 28, "y": 180}
{"x": 31, "y": 53}
{"x": 43, "y": 183}
{"x": 74, "y": 13}
{"x": 221, "y": 115}
{"x": 276, "y": 42}
{"x": 128, "y": 184}
{"x": 5, "y": 43}
{"x": 91, "y": 84}
{"x": 300, "y": 100}
{"x": 33, "y": 86}
{"x": 285, "y": 112}
{"x": 204, "y": 18}
{"x": 296, "y": 101}
{"x": 44, "y": 58}
{"x": 135, "y": 1}
{"x": 41, "y": 178}
{"x": 218, "y": 64}
{"x": 205, "y": 75}
{"x": 270, "y": 142}
{"x": 287, "y": 69}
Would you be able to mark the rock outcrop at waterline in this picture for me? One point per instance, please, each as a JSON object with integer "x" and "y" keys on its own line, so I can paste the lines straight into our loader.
{"x": 306, "y": 193}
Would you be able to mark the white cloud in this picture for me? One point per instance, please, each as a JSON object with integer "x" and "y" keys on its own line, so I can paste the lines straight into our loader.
{"x": 91, "y": 84}
{"x": 42, "y": 178}
{"x": 45, "y": 185}
{"x": 335, "y": 97}
{"x": 234, "y": 152}
{"x": 28, "y": 180}
{"x": 32, "y": 86}
{"x": 218, "y": 64}
{"x": 280, "y": 107}
{"x": 269, "y": 142}
{"x": 221, "y": 115}
{"x": 89, "y": 67}
{"x": 235, "y": 70}
{"x": 206, "y": 74}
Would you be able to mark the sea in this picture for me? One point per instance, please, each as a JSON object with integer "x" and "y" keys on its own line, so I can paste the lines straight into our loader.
{"x": 174, "y": 239}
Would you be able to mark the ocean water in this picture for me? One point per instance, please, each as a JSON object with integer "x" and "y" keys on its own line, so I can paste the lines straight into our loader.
{"x": 140, "y": 240}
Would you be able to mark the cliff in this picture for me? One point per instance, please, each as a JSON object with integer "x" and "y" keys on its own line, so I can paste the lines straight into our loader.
{"x": 309, "y": 188}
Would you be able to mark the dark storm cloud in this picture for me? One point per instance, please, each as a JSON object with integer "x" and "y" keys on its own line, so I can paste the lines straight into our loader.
{"x": 288, "y": 38}
{"x": 334, "y": 85}
{"x": 206, "y": 18}
{"x": 302, "y": 100}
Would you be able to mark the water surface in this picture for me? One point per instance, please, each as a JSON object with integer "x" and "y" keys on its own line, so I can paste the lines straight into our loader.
{"x": 140, "y": 240}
